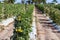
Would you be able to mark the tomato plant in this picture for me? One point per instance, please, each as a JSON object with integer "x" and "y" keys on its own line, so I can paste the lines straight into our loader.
{"x": 52, "y": 11}
{"x": 23, "y": 20}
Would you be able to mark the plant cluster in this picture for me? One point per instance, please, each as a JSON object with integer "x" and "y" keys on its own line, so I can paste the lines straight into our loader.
{"x": 52, "y": 12}
{"x": 23, "y": 23}
{"x": 23, "y": 20}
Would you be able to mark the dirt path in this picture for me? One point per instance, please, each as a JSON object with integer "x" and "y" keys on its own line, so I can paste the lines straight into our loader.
{"x": 44, "y": 32}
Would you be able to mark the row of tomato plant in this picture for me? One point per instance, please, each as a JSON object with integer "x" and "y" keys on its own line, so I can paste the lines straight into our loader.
{"x": 10, "y": 10}
{"x": 23, "y": 20}
{"x": 0, "y": 12}
{"x": 52, "y": 12}
{"x": 24, "y": 23}
{"x": 57, "y": 6}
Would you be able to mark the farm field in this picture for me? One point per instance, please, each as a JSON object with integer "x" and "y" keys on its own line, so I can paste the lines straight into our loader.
{"x": 29, "y": 20}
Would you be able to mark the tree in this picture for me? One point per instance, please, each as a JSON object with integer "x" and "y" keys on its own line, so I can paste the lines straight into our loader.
{"x": 0, "y": 1}
{"x": 22, "y": 1}
{"x": 55, "y": 1}
{"x": 39, "y": 1}
{"x": 44, "y": 1}
{"x": 34, "y": 1}
{"x": 9, "y": 1}
{"x": 29, "y": 1}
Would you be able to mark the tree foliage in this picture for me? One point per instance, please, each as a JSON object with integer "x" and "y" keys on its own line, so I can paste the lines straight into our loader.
{"x": 39, "y": 1}
{"x": 9, "y": 1}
